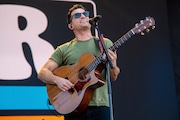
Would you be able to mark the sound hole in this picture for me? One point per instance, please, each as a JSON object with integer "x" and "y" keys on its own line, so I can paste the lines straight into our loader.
{"x": 83, "y": 79}
{"x": 82, "y": 73}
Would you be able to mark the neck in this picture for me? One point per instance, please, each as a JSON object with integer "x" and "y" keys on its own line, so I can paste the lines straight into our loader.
{"x": 83, "y": 35}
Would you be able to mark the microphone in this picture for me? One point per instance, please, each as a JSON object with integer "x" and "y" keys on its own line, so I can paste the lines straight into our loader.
{"x": 95, "y": 19}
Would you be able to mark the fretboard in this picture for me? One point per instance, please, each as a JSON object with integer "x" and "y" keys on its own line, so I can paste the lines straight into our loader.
{"x": 122, "y": 40}
{"x": 139, "y": 28}
{"x": 114, "y": 47}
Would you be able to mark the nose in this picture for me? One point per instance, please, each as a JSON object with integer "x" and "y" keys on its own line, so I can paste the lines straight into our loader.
{"x": 82, "y": 15}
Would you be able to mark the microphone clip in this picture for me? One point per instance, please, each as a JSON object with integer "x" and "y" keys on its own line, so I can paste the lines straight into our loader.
{"x": 94, "y": 20}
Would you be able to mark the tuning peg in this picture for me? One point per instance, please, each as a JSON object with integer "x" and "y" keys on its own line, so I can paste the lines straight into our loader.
{"x": 142, "y": 33}
{"x": 153, "y": 27}
{"x": 147, "y": 30}
{"x": 136, "y": 24}
{"x": 147, "y": 18}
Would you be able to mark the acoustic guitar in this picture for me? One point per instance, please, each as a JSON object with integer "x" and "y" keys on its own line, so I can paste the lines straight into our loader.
{"x": 85, "y": 74}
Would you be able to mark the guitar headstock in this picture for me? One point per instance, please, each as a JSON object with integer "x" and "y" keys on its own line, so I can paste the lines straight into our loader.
{"x": 144, "y": 25}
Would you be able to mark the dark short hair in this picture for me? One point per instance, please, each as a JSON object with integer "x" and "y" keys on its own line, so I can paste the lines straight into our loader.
{"x": 76, "y": 6}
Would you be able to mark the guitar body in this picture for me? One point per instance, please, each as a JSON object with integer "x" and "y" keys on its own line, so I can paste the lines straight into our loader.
{"x": 76, "y": 99}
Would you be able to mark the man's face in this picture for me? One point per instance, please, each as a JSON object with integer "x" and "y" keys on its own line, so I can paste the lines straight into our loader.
{"x": 80, "y": 19}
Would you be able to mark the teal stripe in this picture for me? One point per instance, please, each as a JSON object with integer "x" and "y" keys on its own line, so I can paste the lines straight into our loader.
{"x": 23, "y": 98}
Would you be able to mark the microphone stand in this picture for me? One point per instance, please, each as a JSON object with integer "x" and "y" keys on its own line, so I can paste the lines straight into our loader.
{"x": 107, "y": 69}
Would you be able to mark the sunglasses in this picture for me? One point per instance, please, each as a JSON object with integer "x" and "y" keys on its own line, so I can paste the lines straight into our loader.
{"x": 78, "y": 15}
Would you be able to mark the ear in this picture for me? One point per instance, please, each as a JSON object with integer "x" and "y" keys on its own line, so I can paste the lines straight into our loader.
{"x": 70, "y": 26}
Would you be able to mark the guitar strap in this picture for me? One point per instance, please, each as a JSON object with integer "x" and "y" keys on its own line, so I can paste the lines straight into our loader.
{"x": 98, "y": 43}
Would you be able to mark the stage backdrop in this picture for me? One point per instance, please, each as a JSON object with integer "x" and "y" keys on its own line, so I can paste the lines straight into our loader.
{"x": 30, "y": 30}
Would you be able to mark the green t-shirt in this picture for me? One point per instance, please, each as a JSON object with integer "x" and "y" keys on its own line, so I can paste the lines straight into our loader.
{"x": 69, "y": 53}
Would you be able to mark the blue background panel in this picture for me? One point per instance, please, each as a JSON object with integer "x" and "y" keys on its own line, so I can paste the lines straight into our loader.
{"x": 24, "y": 98}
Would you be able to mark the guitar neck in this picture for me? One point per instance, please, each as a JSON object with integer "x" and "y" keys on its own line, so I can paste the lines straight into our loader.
{"x": 114, "y": 47}
{"x": 139, "y": 28}
{"x": 122, "y": 40}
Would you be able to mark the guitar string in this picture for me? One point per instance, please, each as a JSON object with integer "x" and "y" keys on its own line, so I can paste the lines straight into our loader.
{"x": 116, "y": 45}
{"x": 120, "y": 41}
